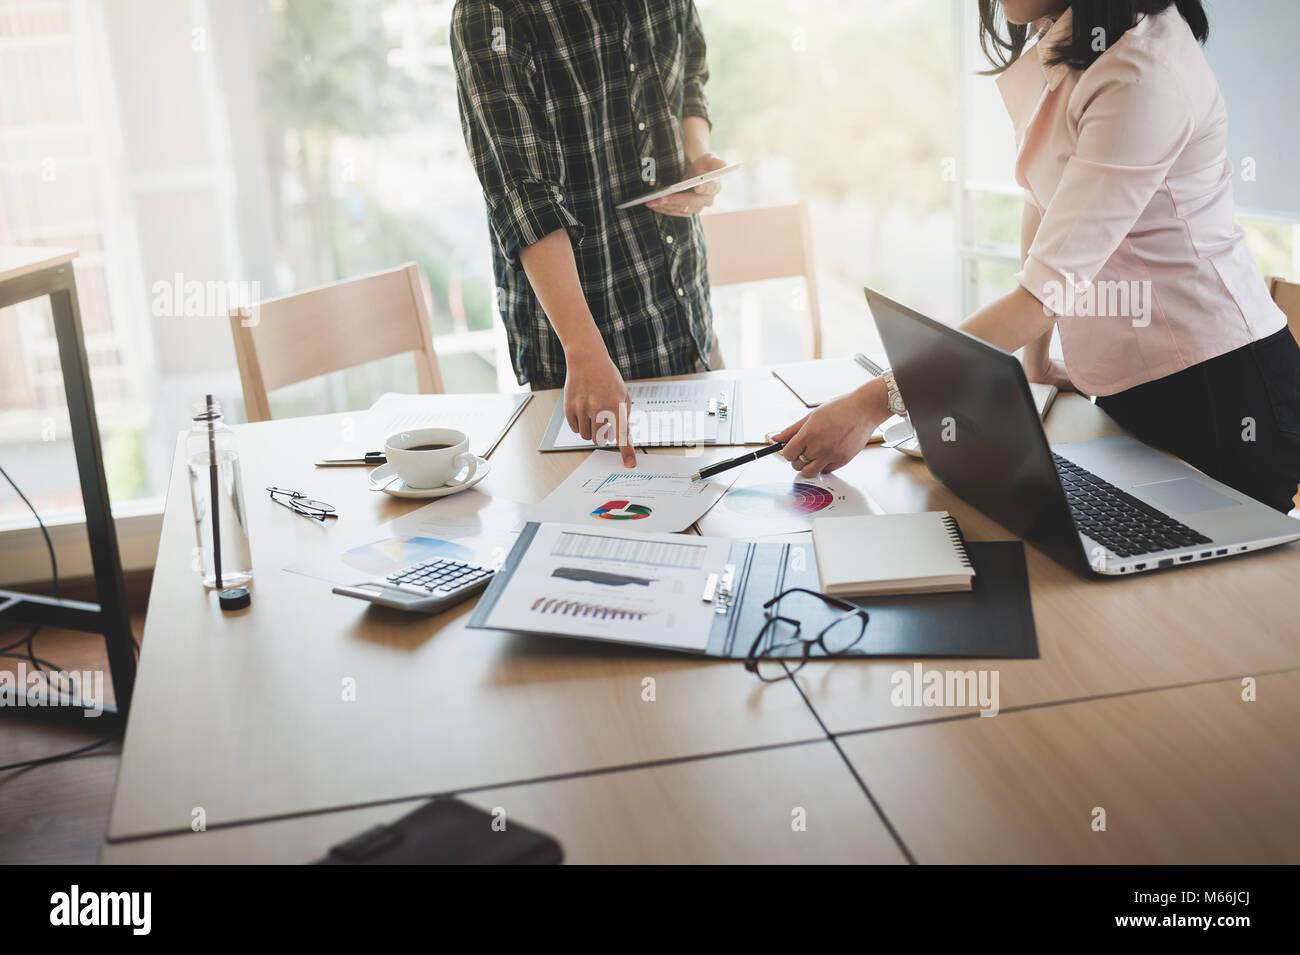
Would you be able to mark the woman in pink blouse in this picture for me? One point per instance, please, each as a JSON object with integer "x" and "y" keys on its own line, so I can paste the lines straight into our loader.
{"x": 1129, "y": 247}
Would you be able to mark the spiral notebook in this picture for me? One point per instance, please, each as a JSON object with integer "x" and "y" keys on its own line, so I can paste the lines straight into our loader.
{"x": 891, "y": 554}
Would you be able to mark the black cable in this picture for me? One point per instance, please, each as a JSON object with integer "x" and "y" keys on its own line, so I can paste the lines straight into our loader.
{"x": 54, "y": 574}
{"x": 58, "y": 756}
{"x": 30, "y": 639}
{"x": 54, "y": 569}
{"x": 18, "y": 643}
{"x": 23, "y": 656}
{"x": 55, "y": 672}
{"x": 49, "y": 545}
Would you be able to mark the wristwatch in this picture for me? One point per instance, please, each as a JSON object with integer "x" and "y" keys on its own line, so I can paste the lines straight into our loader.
{"x": 894, "y": 398}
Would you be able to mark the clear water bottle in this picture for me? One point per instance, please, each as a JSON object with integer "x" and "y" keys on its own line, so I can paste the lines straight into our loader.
{"x": 218, "y": 498}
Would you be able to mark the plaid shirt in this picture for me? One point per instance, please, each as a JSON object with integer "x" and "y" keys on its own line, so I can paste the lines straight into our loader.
{"x": 570, "y": 107}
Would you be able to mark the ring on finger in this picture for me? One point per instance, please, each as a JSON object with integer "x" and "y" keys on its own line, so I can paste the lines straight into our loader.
{"x": 804, "y": 460}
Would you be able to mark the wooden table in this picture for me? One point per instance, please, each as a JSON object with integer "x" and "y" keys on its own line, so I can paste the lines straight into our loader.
{"x": 242, "y": 715}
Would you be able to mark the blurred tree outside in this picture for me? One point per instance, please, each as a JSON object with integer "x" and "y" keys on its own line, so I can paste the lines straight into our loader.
{"x": 848, "y": 105}
{"x": 330, "y": 91}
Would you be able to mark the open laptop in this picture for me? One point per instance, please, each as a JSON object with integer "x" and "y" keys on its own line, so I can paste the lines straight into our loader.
{"x": 1110, "y": 505}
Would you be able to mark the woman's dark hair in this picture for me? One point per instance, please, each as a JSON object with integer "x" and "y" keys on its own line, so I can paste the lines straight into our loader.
{"x": 1003, "y": 42}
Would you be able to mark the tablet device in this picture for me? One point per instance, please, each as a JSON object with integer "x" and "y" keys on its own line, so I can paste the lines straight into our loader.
{"x": 682, "y": 186}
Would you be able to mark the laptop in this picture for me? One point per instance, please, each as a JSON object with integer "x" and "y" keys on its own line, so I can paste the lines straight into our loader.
{"x": 1110, "y": 506}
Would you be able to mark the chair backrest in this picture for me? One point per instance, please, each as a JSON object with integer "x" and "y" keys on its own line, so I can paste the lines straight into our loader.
{"x": 305, "y": 334}
{"x": 1287, "y": 296}
{"x": 771, "y": 242}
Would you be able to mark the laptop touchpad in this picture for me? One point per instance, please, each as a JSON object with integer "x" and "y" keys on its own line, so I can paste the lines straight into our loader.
{"x": 1185, "y": 496}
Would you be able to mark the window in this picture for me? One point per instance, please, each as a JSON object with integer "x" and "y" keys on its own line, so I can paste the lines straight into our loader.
{"x": 268, "y": 146}
{"x": 988, "y": 202}
{"x": 197, "y": 152}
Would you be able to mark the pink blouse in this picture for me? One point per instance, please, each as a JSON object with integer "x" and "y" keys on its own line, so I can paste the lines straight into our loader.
{"x": 1138, "y": 252}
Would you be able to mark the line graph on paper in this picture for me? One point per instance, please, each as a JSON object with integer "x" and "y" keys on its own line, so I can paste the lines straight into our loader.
{"x": 641, "y": 485}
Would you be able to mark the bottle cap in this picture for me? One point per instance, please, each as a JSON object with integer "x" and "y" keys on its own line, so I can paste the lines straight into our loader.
{"x": 236, "y": 598}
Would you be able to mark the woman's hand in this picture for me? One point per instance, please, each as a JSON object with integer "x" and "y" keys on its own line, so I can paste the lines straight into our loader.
{"x": 831, "y": 436}
{"x": 1050, "y": 372}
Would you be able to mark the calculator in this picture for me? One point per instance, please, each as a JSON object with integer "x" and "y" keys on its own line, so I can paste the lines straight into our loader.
{"x": 429, "y": 586}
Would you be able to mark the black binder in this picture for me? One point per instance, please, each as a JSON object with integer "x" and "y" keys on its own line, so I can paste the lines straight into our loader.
{"x": 993, "y": 619}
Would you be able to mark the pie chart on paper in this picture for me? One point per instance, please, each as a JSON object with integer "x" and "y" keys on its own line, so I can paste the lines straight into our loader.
{"x": 621, "y": 511}
{"x": 795, "y": 498}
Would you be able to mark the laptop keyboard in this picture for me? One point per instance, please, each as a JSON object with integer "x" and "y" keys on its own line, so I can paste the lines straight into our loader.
{"x": 1118, "y": 520}
{"x": 439, "y": 574}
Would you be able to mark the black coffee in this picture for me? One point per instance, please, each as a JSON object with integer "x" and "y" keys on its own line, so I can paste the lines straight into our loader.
{"x": 429, "y": 447}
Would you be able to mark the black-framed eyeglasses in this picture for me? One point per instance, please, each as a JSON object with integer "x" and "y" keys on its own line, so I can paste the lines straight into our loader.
{"x": 300, "y": 503}
{"x": 770, "y": 657}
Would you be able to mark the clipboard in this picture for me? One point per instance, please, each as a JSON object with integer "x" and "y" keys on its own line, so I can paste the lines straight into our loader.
{"x": 714, "y": 416}
{"x": 721, "y": 603}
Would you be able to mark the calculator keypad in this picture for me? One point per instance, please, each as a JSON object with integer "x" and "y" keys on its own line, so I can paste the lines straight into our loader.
{"x": 439, "y": 574}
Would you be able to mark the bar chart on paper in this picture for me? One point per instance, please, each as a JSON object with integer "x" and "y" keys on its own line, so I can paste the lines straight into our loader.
{"x": 606, "y": 583}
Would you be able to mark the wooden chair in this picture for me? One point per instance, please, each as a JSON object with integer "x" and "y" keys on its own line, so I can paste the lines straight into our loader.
{"x": 1287, "y": 296}
{"x": 305, "y": 334}
{"x": 772, "y": 242}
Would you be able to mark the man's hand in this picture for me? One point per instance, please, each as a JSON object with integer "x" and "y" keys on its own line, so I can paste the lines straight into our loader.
{"x": 596, "y": 402}
{"x": 832, "y": 435}
{"x": 693, "y": 200}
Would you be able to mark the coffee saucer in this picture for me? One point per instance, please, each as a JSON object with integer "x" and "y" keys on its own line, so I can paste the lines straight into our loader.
{"x": 384, "y": 478}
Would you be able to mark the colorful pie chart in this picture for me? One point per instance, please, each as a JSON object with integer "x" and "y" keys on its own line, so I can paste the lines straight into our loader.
{"x": 796, "y": 498}
{"x": 621, "y": 511}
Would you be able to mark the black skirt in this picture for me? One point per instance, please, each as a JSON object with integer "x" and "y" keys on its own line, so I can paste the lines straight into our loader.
{"x": 1235, "y": 417}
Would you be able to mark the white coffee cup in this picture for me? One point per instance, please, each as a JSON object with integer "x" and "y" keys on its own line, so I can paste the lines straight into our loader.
{"x": 433, "y": 467}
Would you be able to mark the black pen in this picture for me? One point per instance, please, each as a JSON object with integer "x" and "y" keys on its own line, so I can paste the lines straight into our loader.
{"x": 369, "y": 458}
{"x": 721, "y": 466}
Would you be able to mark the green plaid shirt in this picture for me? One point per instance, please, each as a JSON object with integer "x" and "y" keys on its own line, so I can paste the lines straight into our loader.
{"x": 570, "y": 107}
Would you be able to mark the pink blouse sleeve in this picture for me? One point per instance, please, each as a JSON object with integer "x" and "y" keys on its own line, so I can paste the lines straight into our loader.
{"x": 1134, "y": 123}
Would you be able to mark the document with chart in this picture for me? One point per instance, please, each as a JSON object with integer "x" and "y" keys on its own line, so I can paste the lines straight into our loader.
{"x": 710, "y": 596}
{"x": 768, "y": 497}
{"x": 663, "y": 414}
{"x": 611, "y": 585}
{"x": 657, "y": 495}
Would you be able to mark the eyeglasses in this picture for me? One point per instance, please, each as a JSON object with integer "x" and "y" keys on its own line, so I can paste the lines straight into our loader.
{"x": 296, "y": 501}
{"x": 772, "y": 647}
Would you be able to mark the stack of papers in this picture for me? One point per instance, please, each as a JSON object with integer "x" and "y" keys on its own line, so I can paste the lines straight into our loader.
{"x": 484, "y": 418}
{"x": 663, "y": 414}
